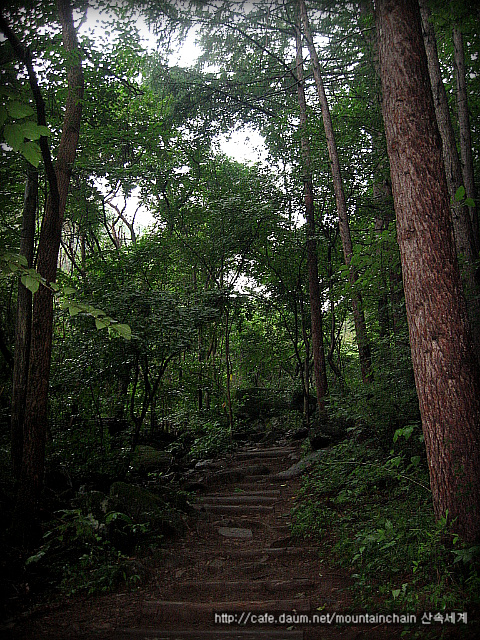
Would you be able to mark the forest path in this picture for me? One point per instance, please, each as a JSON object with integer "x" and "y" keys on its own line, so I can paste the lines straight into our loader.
{"x": 238, "y": 558}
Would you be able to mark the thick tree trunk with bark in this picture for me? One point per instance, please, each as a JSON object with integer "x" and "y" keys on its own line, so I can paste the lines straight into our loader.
{"x": 465, "y": 131}
{"x": 316, "y": 314}
{"x": 358, "y": 314}
{"x": 35, "y": 423}
{"x": 446, "y": 372}
{"x": 23, "y": 322}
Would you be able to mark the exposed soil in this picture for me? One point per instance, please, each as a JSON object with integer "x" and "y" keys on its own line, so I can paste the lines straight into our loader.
{"x": 237, "y": 558}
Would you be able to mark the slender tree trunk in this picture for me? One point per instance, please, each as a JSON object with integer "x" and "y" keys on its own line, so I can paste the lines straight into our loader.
{"x": 382, "y": 192}
{"x": 316, "y": 314}
{"x": 333, "y": 328}
{"x": 461, "y": 217}
{"x": 462, "y": 225}
{"x": 358, "y": 314}
{"x": 23, "y": 323}
{"x": 446, "y": 372}
{"x": 35, "y": 424}
{"x": 229, "y": 372}
{"x": 465, "y": 130}
{"x": 305, "y": 365}
{"x": 381, "y": 224}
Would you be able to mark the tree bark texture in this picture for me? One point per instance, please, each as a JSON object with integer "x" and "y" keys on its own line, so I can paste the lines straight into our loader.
{"x": 35, "y": 423}
{"x": 358, "y": 314}
{"x": 316, "y": 314}
{"x": 23, "y": 322}
{"x": 446, "y": 373}
{"x": 465, "y": 130}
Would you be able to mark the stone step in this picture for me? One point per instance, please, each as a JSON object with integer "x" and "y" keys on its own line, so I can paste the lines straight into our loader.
{"x": 211, "y": 588}
{"x": 271, "y": 552}
{"x": 205, "y": 557}
{"x": 275, "y": 448}
{"x": 235, "y": 533}
{"x": 278, "y": 479}
{"x": 257, "y": 483}
{"x": 211, "y": 634}
{"x": 170, "y": 612}
{"x": 233, "y": 509}
{"x": 264, "y": 453}
{"x": 267, "y": 493}
{"x": 252, "y": 469}
{"x": 237, "y": 475}
{"x": 238, "y": 498}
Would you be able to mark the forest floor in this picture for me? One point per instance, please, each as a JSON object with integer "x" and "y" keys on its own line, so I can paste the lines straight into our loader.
{"x": 237, "y": 558}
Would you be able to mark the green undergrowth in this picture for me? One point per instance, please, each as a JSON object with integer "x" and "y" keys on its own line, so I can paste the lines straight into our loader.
{"x": 77, "y": 555}
{"x": 373, "y": 515}
{"x": 105, "y": 541}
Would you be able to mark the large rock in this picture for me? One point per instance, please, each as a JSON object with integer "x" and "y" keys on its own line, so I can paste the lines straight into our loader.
{"x": 236, "y": 532}
{"x": 147, "y": 460}
{"x": 327, "y": 432}
{"x": 143, "y": 506}
{"x": 299, "y": 467}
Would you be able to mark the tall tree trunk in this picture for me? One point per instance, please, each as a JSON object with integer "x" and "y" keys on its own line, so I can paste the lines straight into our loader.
{"x": 23, "y": 323}
{"x": 358, "y": 314}
{"x": 333, "y": 328}
{"x": 446, "y": 372}
{"x": 316, "y": 315}
{"x": 305, "y": 365}
{"x": 35, "y": 424}
{"x": 382, "y": 192}
{"x": 228, "y": 329}
{"x": 465, "y": 131}
{"x": 381, "y": 224}
{"x": 462, "y": 221}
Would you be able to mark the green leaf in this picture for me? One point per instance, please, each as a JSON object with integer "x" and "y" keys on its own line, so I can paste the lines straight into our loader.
{"x": 101, "y": 323}
{"x": 69, "y": 291}
{"x": 73, "y": 310}
{"x": 123, "y": 330}
{"x": 469, "y": 202}
{"x": 116, "y": 515}
{"x": 38, "y": 556}
{"x": 12, "y": 262}
{"x": 19, "y": 109}
{"x": 13, "y": 135}
{"x": 34, "y": 131}
{"x": 31, "y": 283}
{"x": 460, "y": 193}
{"x": 96, "y": 312}
{"x": 31, "y": 152}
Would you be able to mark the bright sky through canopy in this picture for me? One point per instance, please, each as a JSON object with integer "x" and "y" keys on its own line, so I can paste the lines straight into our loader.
{"x": 243, "y": 145}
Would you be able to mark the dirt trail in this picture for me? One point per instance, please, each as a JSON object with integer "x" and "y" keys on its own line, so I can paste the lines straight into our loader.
{"x": 237, "y": 559}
